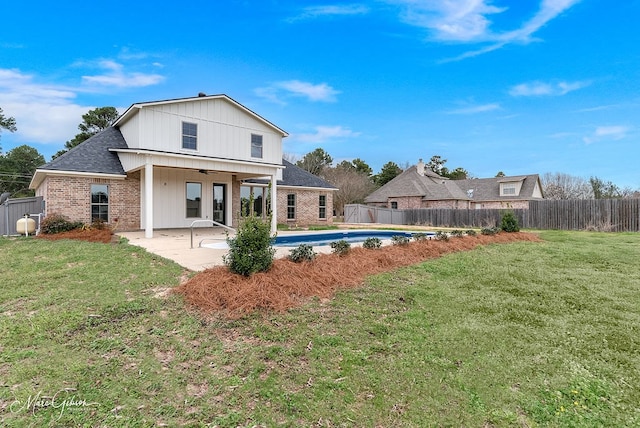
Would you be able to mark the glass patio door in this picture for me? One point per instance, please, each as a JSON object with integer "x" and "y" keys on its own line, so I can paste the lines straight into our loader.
{"x": 219, "y": 191}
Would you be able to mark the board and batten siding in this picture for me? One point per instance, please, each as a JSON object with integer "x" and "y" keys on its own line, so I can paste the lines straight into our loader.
{"x": 170, "y": 195}
{"x": 224, "y": 130}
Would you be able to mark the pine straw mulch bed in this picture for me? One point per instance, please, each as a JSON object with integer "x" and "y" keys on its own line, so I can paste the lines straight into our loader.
{"x": 104, "y": 236}
{"x": 288, "y": 284}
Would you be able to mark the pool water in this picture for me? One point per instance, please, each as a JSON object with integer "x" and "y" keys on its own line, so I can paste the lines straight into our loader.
{"x": 326, "y": 238}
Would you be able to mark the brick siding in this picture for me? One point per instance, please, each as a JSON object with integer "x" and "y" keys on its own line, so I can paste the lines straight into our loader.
{"x": 71, "y": 197}
{"x": 307, "y": 207}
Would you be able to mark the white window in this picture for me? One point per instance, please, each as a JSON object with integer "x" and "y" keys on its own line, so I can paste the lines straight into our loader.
{"x": 322, "y": 204}
{"x": 291, "y": 206}
{"x": 508, "y": 189}
{"x": 99, "y": 202}
{"x": 194, "y": 200}
{"x": 189, "y": 136}
{"x": 256, "y": 146}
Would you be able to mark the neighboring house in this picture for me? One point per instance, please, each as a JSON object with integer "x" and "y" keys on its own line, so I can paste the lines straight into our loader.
{"x": 164, "y": 164}
{"x": 419, "y": 187}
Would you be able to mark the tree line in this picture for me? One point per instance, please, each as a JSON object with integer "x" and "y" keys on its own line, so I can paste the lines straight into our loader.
{"x": 354, "y": 179}
{"x": 18, "y": 165}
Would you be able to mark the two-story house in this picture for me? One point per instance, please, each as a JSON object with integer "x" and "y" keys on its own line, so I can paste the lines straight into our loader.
{"x": 419, "y": 187}
{"x": 164, "y": 164}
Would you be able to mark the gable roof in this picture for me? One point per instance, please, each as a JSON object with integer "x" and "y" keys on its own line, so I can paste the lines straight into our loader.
{"x": 432, "y": 187}
{"x": 488, "y": 189}
{"x": 429, "y": 186}
{"x": 135, "y": 108}
{"x": 294, "y": 176}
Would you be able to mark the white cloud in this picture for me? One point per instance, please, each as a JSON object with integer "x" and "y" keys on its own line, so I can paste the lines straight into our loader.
{"x": 324, "y": 133}
{"x": 601, "y": 133}
{"x": 44, "y": 113}
{"x": 48, "y": 112}
{"x": 476, "y": 109}
{"x": 296, "y": 88}
{"x": 448, "y": 20}
{"x": 468, "y": 21}
{"x": 598, "y": 108}
{"x": 115, "y": 76}
{"x": 312, "y": 12}
{"x": 546, "y": 89}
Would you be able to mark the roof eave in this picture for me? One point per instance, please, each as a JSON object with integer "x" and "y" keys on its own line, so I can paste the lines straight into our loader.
{"x": 41, "y": 174}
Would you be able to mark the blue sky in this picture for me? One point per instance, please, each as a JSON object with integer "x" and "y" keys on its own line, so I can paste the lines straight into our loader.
{"x": 522, "y": 87}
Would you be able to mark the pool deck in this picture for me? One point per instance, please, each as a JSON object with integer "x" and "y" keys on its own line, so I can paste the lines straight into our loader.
{"x": 175, "y": 244}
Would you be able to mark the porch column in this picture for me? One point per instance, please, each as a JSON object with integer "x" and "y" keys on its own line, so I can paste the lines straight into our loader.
{"x": 274, "y": 204}
{"x": 148, "y": 198}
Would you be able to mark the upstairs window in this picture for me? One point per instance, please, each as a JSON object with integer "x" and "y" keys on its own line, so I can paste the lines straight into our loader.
{"x": 256, "y": 146}
{"x": 189, "y": 136}
{"x": 508, "y": 189}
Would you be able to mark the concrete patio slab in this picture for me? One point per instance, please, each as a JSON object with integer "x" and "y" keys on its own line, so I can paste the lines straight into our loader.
{"x": 175, "y": 244}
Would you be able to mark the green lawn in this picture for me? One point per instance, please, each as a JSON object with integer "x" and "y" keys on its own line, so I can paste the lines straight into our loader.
{"x": 524, "y": 334}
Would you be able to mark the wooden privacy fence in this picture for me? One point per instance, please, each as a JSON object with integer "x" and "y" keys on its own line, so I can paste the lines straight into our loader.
{"x": 462, "y": 218}
{"x": 615, "y": 215}
{"x": 13, "y": 209}
{"x": 356, "y": 213}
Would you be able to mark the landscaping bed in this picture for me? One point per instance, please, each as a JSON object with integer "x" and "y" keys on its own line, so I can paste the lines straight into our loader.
{"x": 104, "y": 235}
{"x": 288, "y": 284}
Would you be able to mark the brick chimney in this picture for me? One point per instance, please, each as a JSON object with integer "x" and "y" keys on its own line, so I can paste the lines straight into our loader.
{"x": 420, "y": 167}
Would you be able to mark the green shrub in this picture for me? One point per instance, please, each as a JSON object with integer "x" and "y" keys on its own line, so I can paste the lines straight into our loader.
{"x": 471, "y": 232}
{"x": 57, "y": 223}
{"x": 251, "y": 249}
{"x": 442, "y": 236}
{"x": 420, "y": 236}
{"x": 457, "y": 233}
{"x": 399, "y": 240}
{"x": 302, "y": 253}
{"x": 340, "y": 247}
{"x": 372, "y": 243}
{"x": 509, "y": 222}
{"x": 489, "y": 231}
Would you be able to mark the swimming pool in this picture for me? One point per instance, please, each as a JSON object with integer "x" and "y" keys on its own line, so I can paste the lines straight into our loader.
{"x": 326, "y": 238}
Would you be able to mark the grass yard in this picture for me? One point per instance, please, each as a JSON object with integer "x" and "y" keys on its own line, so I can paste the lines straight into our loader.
{"x": 523, "y": 334}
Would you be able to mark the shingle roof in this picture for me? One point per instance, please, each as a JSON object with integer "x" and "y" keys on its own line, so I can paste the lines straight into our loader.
{"x": 293, "y": 175}
{"x": 432, "y": 187}
{"x": 92, "y": 155}
{"x": 409, "y": 183}
{"x": 488, "y": 189}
